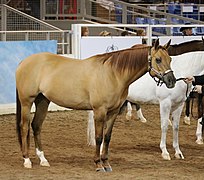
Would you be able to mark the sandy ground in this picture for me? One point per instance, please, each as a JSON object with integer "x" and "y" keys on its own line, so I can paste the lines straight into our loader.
{"x": 134, "y": 150}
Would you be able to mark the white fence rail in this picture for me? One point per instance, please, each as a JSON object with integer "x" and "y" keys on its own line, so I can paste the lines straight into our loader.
{"x": 63, "y": 38}
{"x": 93, "y": 44}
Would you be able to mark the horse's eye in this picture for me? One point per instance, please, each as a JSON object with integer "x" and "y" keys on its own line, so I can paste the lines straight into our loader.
{"x": 158, "y": 60}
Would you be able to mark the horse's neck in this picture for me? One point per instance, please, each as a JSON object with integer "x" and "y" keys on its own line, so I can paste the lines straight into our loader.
{"x": 178, "y": 50}
{"x": 133, "y": 66}
{"x": 172, "y": 51}
{"x": 137, "y": 73}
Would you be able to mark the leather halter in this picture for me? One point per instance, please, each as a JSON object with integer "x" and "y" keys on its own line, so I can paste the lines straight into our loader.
{"x": 160, "y": 77}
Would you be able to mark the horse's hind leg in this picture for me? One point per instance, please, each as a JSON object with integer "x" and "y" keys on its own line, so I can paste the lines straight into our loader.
{"x": 41, "y": 103}
{"x": 199, "y": 139}
{"x": 139, "y": 113}
{"x": 25, "y": 134}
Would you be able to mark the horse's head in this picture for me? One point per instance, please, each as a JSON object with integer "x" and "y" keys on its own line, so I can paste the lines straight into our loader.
{"x": 159, "y": 64}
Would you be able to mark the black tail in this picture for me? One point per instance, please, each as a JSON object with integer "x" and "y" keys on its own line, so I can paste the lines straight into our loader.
{"x": 123, "y": 107}
{"x": 18, "y": 118}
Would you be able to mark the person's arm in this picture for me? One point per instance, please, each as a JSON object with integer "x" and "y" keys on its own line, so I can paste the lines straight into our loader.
{"x": 199, "y": 89}
{"x": 199, "y": 80}
{"x": 195, "y": 80}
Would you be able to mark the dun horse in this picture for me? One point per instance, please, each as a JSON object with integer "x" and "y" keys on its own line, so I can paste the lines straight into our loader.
{"x": 173, "y": 50}
{"x": 99, "y": 83}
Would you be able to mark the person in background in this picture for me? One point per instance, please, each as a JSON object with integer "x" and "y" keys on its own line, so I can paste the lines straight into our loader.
{"x": 141, "y": 32}
{"x": 35, "y": 8}
{"x": 104, "y": 33}
{"x": 85, "y": 31}
{"x": 187, "y": 31}
{"x": 125, "y": 33}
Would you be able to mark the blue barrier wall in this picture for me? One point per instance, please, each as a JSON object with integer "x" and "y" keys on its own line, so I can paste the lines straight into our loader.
{"x": 11, "y": 53}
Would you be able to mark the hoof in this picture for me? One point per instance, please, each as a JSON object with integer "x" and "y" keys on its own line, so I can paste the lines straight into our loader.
{"x": 166, "y": 157}
{"x": 100, "y": 169}
{"x": 143, "y": 120}
{"x": 179, "y": 156}
{"x": 128, "y": 117}
{"x": 27, "y": 163}
{"x": 29, "y": 166}
{"x": 199, "y": 141}
{"x": 45, "y": 164}
{"x": 187, "y": 121}
{"x": 108, "y": 169}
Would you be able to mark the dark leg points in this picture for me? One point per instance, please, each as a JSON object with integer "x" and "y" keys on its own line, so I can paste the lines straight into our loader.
{"x": 99, "y": 166}
{"x": 107, "y": 139}
{"x": 106, "y": 165}
{"x": 99, "y": 141}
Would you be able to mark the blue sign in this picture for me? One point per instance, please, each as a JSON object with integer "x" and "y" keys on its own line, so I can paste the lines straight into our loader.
{"x": 11, "y": 54}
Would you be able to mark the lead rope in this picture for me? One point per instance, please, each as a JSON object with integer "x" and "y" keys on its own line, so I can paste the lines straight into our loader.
{"x": 179, "y": 79}
{"x": 191, "y": 108}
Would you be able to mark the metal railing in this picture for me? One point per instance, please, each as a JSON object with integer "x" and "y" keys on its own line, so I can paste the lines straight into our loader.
{"x": 63, "y": 38}
{"x": 116, "y": 12}
{"x": 18, "y": 26}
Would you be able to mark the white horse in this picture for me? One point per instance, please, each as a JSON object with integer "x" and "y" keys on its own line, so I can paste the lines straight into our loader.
{"x": 171, "y": 101}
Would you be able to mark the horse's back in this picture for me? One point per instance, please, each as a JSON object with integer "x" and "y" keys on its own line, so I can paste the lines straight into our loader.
{"x": 46, "y": 73}
{"x": 46, "y": 64}
{"x": 43, "y": 59}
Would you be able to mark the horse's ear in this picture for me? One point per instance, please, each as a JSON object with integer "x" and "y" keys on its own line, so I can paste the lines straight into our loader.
{"x": 156, "y": 44}
{"x": 166, "y": 46}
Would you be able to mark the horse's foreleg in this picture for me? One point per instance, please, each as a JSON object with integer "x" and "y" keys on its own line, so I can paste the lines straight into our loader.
{"x": 99, "y": 119}
{"x": 25, "y": 134}
{"x": 41, "y": 104}
{"x": 176, "y": 118}
{"x": 199, "y": 139}
{"x": 164, "y": 114}
{"x": 107, "y": 137}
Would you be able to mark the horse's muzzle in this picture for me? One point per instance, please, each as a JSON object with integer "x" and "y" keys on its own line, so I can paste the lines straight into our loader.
{"x": 169, "y": 79}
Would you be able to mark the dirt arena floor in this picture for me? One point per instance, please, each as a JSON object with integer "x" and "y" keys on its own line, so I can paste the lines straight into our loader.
{"x": 134, "y": 150}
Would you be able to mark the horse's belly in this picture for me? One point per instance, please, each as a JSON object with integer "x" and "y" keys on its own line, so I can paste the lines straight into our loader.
{"x": 69, "y": 100}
